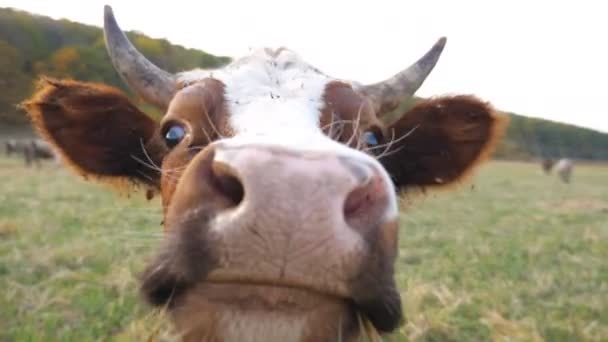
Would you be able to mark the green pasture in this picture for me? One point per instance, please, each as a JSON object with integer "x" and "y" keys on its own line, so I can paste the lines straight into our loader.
{"x": 512, "y": 255}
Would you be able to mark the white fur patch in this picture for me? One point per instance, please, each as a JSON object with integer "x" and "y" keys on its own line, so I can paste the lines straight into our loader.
{"x": 269, "y": 92}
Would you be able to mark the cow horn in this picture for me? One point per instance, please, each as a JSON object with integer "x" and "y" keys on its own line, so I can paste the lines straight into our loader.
{"x": 153, "y": 84}
{"x": 388, "y": 94}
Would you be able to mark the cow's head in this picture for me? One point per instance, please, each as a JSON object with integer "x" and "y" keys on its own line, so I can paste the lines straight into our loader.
{"x": 278, "y": 183}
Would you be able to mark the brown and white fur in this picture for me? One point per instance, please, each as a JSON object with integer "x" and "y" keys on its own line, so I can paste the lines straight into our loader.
{"x": 563, "y": 168}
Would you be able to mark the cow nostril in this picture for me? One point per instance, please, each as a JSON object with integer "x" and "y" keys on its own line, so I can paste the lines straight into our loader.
{"x": 225, "y": 180}
{"x": 366, "y": 202}
{"x": 356, "y": 201}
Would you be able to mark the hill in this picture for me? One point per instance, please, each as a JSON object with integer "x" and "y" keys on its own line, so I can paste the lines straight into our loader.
{"x": 31, "y": 45}
{"x": 532, "y": 137}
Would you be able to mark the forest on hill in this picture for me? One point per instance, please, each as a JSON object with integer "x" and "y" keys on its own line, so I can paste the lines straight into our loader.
{"x": 538, "y": 138}
{"x": 33, "y": 45}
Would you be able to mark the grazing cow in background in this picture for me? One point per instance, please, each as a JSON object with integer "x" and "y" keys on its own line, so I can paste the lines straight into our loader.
{"x": 36, "y": 150}
{"x": 13, "y": 146}
{"x": 33, "y": 151}
{"x": 547, "y": 165}
{"x": 564, "y": 168}
{"x": 278, "y": 183}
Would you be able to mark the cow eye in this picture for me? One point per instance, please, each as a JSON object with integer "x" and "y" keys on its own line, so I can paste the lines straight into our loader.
{"x": 174, "y": 135}
{"x": 370, "y": 138}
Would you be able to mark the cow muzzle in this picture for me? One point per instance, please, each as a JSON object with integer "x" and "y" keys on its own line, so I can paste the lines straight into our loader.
{"x": 281, "y": 226}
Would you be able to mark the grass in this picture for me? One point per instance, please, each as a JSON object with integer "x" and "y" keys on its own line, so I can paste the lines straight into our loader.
{"x": 513, "y": 256}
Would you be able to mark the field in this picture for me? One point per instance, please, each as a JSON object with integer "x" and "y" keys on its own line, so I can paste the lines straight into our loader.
{"x": 513, "y": 255}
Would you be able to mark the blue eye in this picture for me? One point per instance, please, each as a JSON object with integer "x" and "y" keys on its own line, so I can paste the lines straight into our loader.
{"x": 370, "y": 138}
{"x": 174, "y": 135}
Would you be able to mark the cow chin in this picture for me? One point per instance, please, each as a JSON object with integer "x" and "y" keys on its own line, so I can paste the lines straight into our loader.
{"x": 253, "y": 312}
{"x": 213, "y": 310}
{"x": 230, "y": 281}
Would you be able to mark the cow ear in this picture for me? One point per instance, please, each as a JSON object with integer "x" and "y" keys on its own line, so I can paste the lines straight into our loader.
{"x": 97, "y": 130}
{"x": 441, "y": 140}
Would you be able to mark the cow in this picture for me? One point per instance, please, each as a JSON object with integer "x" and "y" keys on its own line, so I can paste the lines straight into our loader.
{"x": 13, "y": 146}
{"x": 32, "y": 150}
{"x": 564, "y": 168}
{"x": 547, "y": 165}
{"x": 279, "y": 184}
{"x": 38, "y": 149}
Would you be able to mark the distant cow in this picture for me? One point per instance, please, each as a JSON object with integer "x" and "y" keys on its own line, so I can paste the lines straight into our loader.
{"x": 36, "y": 150}
{"x": 13, "y": 146}
{"x": 33, "y": 151}
{"x": 547, "y": 165}
{"x": 564, "y": 168}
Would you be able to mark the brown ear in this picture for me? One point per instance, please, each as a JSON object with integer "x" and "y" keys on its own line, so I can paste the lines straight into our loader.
{"x": 96, "y": 128}
{"x": 441, "y": 140}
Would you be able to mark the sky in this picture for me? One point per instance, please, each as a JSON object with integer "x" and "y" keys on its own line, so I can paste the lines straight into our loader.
{"x": 544, "y": 59}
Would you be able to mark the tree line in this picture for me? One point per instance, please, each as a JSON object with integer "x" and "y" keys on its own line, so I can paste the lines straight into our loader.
{"x": 33, "y": 45}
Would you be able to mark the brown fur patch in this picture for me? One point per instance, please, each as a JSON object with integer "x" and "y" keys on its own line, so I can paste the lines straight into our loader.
{"x": 97, "y": 130}
{"x": 201, "y": 109}
{"x": 547, "y": 165}
{"x": 347, "y": 114}
{"x": 447, "y": 137}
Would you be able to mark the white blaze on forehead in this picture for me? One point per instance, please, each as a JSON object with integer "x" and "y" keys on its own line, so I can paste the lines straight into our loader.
{"x": 270, "y": 93}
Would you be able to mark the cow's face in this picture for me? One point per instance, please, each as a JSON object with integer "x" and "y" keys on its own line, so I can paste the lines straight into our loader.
{"x": 278, "y": 184}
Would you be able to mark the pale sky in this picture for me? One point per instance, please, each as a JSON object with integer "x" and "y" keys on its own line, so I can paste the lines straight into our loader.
{"x": 539, "y": 58}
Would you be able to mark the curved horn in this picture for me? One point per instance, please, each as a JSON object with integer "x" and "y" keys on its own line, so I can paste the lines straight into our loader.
{"x": 388, "y": 94}
{"x": 153, "y": 84}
